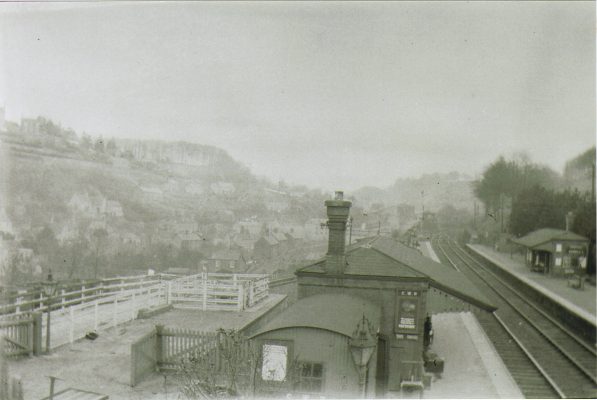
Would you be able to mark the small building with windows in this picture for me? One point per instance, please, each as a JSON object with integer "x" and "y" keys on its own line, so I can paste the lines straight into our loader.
{"x": 555, "y": 251}
{"x": 375, "y": 291}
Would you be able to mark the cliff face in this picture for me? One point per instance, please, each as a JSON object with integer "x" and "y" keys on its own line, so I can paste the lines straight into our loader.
{"x": 177, "y": 153}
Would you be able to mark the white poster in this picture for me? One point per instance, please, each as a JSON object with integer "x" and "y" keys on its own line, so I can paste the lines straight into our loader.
{"x": 274, "y": 362}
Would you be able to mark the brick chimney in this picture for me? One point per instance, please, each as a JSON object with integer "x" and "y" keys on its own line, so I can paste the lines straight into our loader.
{"x": 337, "y": 210}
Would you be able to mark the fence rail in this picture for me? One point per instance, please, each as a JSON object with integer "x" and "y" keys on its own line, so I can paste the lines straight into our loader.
{"x": 35, "y": 300}
{"x": 73, "y": 319}
{"x": 220, "y": 292}
{"x": 75, "y": 322}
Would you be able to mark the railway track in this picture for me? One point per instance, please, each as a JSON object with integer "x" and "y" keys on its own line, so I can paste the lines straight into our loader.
{"x": 545, "y": 358}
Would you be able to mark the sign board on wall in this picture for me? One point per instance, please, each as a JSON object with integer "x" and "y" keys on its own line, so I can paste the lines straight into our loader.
{"x": 407, "y": 307}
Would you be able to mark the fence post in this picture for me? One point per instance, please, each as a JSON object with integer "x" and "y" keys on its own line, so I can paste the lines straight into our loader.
{"x": 82, "y": 293}
{"x": 72, "y": 324}
{"x": 41, "y": 300}
{"x": 169, "y": 293}
{"x": 95, "y": 310}
{"x": 251, "y": 292}
{"x": 18, "y": 304}
{"x": 114, "y": 311}
{"x": 205, "y": 293}
{"x": 37, "y": 321}
{"x": 63, "y": 299}
{"x": 159, "y": 345}
{"x": 241, "y": 297}
{"x": 133, "y": 306}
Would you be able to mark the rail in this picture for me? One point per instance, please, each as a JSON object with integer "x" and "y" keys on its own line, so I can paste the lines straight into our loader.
{"x": 574, "y": 353}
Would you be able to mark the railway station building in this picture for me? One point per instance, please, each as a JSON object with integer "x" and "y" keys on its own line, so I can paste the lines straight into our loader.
{"x": 555, "y": 251}
{"x": 360, "y": 327}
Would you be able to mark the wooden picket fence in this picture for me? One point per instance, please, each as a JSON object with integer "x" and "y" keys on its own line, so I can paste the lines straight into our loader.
{"x": 11, "y": 388}
{"x": 176, "y": 343}
{"x": 21, "y": 335}
{"x": 164, "y": 349}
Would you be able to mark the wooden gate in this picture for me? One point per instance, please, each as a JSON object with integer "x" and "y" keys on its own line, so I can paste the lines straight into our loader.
{"x": 176, "y": 343}
{"x": 21, "y": 334}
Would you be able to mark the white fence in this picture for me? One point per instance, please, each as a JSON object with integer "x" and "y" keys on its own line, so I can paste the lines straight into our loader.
{"x": 111, "y": 305}
{"x": 35, "y": 300}
{"x": 219, "y": 292}
{"x": 72, "y": 323}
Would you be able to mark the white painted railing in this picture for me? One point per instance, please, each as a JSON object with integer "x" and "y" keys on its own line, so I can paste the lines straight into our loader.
{"x": 73, "y": 323}
{"x": 73, "y": 319}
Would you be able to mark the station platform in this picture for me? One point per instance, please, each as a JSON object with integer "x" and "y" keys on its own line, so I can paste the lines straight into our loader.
{"x": 581, "y": 302}
{"x": 427, "y": 251}
{"x": 473, "y": 369}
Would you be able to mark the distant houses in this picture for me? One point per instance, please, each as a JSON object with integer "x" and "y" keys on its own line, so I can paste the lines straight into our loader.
{"x": 228, "y": 260}
{"x": 222, "y": 188}
{"x": 95, "y": 205}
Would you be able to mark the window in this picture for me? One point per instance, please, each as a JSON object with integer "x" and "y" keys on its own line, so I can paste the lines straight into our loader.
{"x": 275, "y": 360}
{"x": 558, "y": 261}
{"x": 310, "y": 378}
{"x": 558, "y": 247}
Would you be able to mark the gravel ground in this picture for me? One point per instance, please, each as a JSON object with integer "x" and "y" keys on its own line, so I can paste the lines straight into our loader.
{"x": 103, "y": 365}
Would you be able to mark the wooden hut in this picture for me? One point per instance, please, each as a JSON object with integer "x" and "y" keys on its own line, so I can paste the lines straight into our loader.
{"x": 555, "y": 251}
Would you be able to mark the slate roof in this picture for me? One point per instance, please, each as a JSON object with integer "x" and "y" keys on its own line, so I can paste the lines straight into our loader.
{"x": 541, "y": 236}
{"x": 385, "y": 257}
{"x": 331, "y": 312}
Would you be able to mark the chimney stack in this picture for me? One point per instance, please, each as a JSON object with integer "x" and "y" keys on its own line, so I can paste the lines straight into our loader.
{"x": 337, "y": 210}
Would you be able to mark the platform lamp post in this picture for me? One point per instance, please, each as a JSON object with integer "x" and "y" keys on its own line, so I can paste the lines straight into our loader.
{"x": 49, "y": 289}
{"x": 362, "y": 344}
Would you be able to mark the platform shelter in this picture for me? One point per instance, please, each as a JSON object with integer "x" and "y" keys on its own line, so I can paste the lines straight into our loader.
{"x": 555, "y": 251}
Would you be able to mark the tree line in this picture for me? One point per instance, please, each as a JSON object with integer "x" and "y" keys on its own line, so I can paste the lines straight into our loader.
{"x": 529, "y": 196}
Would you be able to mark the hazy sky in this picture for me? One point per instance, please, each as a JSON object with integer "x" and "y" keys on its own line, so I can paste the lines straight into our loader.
{"x": 335, "y": 95}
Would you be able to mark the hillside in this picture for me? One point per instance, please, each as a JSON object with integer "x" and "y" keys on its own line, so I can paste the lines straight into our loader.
{"x": 433, "y": 191}
{"x": 86, "y": 207}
